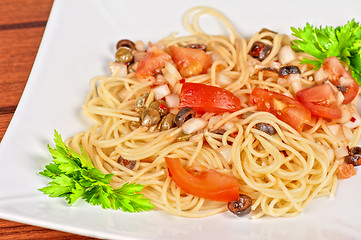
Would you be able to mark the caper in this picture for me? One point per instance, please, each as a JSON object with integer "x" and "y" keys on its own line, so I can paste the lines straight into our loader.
{"x": 354, "y": 156}
{"x": 241, "y": 206}
{"x": 160, "y": 106}
{"x": 124, "y": 55}
{"x": 183, "y": 115}
{"x": 265, "y": 52}
{"x": 149, "y": 117}
{"x": 140, "y": 104}
{"x": 126, "y": 163}
{"x": 167, "y": 122}
{"x": 197, "y": 46}
{"x": 286, "y": 70}
{"x": 267, "y": 128}
{"x": 126, "y": 43}
{"x": 260, "y": 50}
{"x": 184, "y": 136}
{"x": 355, "y": 150}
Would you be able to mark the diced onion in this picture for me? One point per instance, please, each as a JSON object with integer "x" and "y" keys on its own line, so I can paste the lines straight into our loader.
{"x": 295, "y": 80}
{"x": 347, "y": 133}
{"x": 346, "y": 115}
{"x": 354, "y": 122}
{"x": 172, "y": 100}
{"x": 193, "y": 125}
{"x": 118, "y": 69}
{"x": 330, "y": 154}
{"x": 345, "y": 81}
{"x": 341, "y": 152}
{"x": 161, "y": 91}
{"x": 223, "y": 80}
{"x": 171, "y": 74}
{"x": 335, "y": 129}
{"x": 228, "y": 125}
{"x": 226, "y": 152}
{"x": 340, "y": 98}
{"x": 286, "y": 55}
{"x": 140, "y": 46}
{"x": 320, "y": 75}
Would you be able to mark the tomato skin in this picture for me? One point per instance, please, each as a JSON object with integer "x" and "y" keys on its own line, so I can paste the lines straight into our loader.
{"x": 206, "y": 98}
{"x": 153, "y": 61}
{"x": 346, "y": 171}
{"x": 208, "y": 184}
{"x": 321, "y": 101}
{"x": 336, "y": 70}
{"x": 189, "y": 61}
{"x": 286, "y": 109}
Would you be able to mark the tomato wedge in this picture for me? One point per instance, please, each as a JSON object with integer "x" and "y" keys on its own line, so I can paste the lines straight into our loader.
{"x": 189, "y": 61}
{"x": 208, "y": 184}
{"x": 287, "y": 109}
{"x": 336, "y": 71}
{"x": 153, "y": 61}
{"x": 321, "y": 101}
{"x": 346, "y": 171}
{"x": 205, "y": 98}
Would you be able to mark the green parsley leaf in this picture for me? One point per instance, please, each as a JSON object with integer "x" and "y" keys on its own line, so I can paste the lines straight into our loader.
{"x": 74, "y": 176}
{"x": 343, "y": 42}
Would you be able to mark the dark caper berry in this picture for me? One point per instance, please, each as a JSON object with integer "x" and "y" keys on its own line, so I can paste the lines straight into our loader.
{"x": 241, "y": 206}
{"x": 126, "y": 163}
{"x": 126, "y": 43}
{"x": 353, "y": 159}
{"x": 265, "y": 127}
{"x": 256, "y": 49}
{"x": 265, "y": 52}
{"x": 184, "y": 115}
{"x": 197, "y": 46}
{"x": 355, "y": 150}
{"x": 287, "y": 70}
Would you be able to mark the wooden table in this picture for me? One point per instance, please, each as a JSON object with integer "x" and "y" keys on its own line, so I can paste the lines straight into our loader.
{"x": 22, "y": 23}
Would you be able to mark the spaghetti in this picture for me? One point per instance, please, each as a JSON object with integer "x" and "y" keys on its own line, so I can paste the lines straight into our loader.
{"x": 282, "y": 172}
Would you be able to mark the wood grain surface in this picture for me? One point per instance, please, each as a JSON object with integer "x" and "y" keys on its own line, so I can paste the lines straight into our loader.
{"x": 22, "y": 24}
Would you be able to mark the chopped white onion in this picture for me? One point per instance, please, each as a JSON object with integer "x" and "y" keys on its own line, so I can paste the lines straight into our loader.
{"x": 286, "y": 55}
{"x": 335, "y": 129}
{"x": 340, "y": 98}
{"x": 193, "y": 125}
{"x": 140, "y": 46}
{"x": 354, "y": 122}
{"x": 171, "y": 74}
{"x": 347, "y": 132}
{"x": 346, "y": 115}
{"x": 295, "y": 80}
{"x": 275, "y": 65}
{"x": 172, "y": 100}
{"x": 161, "y": 91}
{"x": 321, "y": 75}
{"x": 345, "y": 81}
{"x": 228, "y": 125}
{"x": 226, "y": 152}
{"x": 341, "y": 152}
{"x": 223, "y": 80}
{"x": 118, "y": 69}
{"x": 213, "y": 120}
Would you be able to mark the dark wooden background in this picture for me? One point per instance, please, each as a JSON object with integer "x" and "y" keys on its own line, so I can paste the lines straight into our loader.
{"x": 22, "y": 24}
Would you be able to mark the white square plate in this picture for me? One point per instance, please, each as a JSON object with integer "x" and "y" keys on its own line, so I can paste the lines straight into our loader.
{"x": 78, "y": 43}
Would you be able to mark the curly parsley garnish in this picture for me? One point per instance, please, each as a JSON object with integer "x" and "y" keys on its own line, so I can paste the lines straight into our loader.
{"x": 343, "y": 42}
{"x": 74, "y": 175}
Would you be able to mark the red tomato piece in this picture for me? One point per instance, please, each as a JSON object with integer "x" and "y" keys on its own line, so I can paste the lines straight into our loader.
{"x": 189, "y": 61}
{"x": 205, "y": 98}
{"x": 346, "y": 171}
{"x": 336, "y": 70}
{"x": 154, "y": 60}
{"x": 286, "y": 109}
{"x": 208, "y": 184}
{"x": 321, "y": 101}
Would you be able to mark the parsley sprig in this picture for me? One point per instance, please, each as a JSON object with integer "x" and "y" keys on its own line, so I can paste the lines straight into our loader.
{"x": 74, "y": 176}
{"x": 343, "y": 42}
